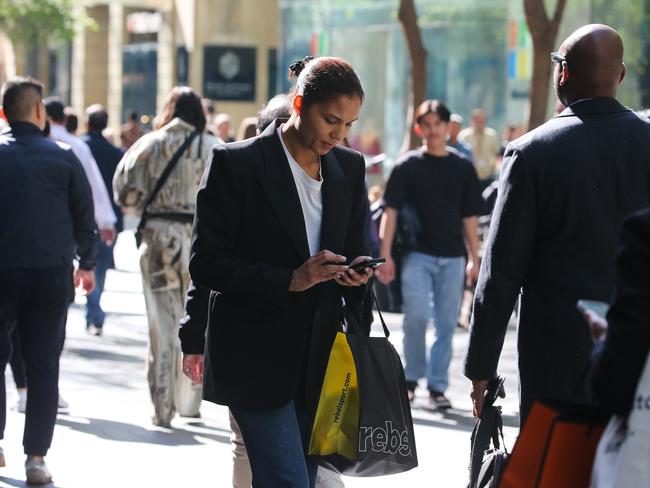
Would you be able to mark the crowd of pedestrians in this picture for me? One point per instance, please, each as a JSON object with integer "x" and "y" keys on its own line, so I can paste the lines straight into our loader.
{"x": 248, "y": 244}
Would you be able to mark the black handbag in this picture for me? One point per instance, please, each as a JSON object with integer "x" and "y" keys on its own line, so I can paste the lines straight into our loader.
{"x": 487, "y": 464}
{"x": 160, "y": 183}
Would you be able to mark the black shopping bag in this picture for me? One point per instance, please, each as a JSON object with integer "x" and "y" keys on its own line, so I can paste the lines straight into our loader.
{"x": 386, "y": 440}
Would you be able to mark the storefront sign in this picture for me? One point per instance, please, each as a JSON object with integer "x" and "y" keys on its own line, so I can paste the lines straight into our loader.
{"x": 229, "y": 73}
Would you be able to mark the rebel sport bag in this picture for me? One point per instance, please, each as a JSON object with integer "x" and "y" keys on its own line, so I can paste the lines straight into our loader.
{"x": 363, "y": 424}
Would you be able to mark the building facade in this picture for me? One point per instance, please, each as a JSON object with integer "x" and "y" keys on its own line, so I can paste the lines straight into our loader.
{"x": 479, "y": 55}
{"x": 139, "y": 49}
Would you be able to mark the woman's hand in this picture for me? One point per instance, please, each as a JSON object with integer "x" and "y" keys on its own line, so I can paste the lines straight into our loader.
{"x": 323, "y": 266}
{"x": 353, "y": 278}
{"x": 193, "y": 367}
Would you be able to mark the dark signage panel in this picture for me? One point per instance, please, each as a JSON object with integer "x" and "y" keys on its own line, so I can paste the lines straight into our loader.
{"x": 229, "y": 73}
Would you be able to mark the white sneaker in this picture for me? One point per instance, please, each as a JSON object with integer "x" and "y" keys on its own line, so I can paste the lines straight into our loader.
{"x": 37, "y": 473}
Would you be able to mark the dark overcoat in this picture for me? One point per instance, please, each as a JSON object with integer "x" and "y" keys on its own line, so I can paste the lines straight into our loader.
{"x": 564, "y": 190}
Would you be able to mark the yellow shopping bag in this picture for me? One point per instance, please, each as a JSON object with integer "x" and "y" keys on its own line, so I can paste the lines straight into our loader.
{"x": 336, "y": 426}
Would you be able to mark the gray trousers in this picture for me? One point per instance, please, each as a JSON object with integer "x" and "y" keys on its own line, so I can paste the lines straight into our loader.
{"x": 164, "y": 261}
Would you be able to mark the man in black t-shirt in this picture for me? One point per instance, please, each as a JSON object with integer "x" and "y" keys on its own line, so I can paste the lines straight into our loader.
{"x": 442, "y": 189}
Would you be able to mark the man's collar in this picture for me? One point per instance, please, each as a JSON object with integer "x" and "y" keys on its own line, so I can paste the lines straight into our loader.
{"x": 598, "y": 105}
{"x": 25, "y": 128}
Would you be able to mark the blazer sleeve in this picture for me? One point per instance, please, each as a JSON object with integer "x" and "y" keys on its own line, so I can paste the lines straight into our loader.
{"x": 214, "y": 263}
{"x": 505, "y": 261}
{"x": 626, "y": 348}
{"x": 194, "y": 324}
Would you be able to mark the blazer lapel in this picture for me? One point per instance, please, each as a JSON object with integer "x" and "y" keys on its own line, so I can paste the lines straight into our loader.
{"x": 278, "y": 183}
{"x": 336, "y": 204}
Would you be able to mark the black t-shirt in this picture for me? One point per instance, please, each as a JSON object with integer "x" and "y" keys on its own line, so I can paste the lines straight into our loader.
{"x": 443, "y": 191}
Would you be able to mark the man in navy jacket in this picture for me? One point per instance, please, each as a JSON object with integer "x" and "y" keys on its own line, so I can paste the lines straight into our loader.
{"x": 47, "y": 216}
{"x": 107, "y": 157}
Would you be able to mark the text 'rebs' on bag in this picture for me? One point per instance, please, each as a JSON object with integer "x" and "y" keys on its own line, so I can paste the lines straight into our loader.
{"x": 384, "y": 440}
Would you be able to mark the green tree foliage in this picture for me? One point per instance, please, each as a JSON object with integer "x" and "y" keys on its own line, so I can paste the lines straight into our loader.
{"x": 38, "y": 20}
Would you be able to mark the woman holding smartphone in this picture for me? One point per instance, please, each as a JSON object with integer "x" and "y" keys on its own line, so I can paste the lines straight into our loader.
{"x": 278, "y": 217}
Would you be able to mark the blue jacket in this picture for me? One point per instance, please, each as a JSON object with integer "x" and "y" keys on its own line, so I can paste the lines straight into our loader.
{"x": 46, "y": 205}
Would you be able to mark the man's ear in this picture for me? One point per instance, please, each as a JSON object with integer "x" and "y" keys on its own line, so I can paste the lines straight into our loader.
{"x": 418, "y": 130}
{"x": 623, "y": 73}
{"x": 297, "y": 103}
{"x": 564, "y": 73}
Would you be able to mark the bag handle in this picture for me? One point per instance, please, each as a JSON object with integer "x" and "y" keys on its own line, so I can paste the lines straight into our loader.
{"x": 355, "y": 325}
{"x": 488, "y": 427}
{"x": 163, "y": 179}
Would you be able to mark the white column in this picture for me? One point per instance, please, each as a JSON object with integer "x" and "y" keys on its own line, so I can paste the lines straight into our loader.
{"x": 166, "y": 56}
{"x": 115, "y": 44}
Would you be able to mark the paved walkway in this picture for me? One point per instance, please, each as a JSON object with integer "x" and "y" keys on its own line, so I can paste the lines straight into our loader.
{"x": 107, "y": 440}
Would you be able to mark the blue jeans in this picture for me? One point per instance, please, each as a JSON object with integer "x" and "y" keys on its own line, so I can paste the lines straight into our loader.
{"x": 94, "y": 313}
{"x": 274, "y": 442}
{"x": 424, "y": 276}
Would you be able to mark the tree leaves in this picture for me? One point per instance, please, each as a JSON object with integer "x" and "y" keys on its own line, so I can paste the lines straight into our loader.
{"x": 39, "y": 20}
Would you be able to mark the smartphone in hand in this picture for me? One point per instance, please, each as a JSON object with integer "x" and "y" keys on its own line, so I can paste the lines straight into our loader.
{"x": 368, "y": 263}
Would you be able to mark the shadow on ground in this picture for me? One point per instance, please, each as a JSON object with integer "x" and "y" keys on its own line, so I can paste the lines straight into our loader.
{"x": 122, "y": 432}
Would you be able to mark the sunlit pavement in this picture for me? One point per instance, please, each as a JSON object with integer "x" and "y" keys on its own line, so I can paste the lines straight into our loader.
{"x": 106, "y": 439}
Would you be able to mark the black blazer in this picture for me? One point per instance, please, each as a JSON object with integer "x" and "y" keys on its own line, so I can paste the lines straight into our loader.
{"x": 563, "y": 193}
{"x": 626, "y": 349}
{"x": 264, "y": 345}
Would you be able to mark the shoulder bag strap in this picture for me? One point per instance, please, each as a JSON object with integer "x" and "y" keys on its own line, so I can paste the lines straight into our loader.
{"x": 163, "y": 178}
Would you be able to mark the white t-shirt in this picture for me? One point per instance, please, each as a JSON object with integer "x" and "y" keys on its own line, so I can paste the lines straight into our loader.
{"x": 311, "y": 199}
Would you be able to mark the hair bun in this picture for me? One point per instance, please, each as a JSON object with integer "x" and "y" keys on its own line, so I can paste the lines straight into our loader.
{"x": 296, "y": 68}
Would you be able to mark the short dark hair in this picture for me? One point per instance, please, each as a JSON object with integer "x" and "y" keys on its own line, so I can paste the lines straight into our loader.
{"x": 322, "y": 79}
{"x": 71, "y": 120}
{"x": 132, "y": 115}
{"x": 19, "y": 96}
{"x": 97, "y": 118}
{"x": 432, "y": 107}
{"x": 55, "y": 109}
{"x": 278, "y": 107}
{"x": 184, "y": 103}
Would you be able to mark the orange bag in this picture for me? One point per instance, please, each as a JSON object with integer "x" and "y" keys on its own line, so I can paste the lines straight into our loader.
{"x": 555, "y": 448}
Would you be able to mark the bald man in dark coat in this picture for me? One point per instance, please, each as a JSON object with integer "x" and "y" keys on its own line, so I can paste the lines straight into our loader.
{"x": 564, "y": 190}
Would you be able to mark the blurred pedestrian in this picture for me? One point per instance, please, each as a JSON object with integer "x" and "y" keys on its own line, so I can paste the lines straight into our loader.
{"x": 565, "y": 188}
{"x": 130, "y": 131}
{"x": 247, "y": 128}
{"x": 485, "y": 146}
{"x": 282, "y": 297}
{"x": 455, "y": 126}
{"x": 104, "y": 214}
{"x": 223, "y": 126}
{"x": 71, "y": 121}
{"x": 107, "y": 157}
{"x": 278, "y": 107}
{"x": 627, "y": 343}
{"x": 47, "y": 219}
{"x": 436, "y": 265}
{"x": 165, "y": 247}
